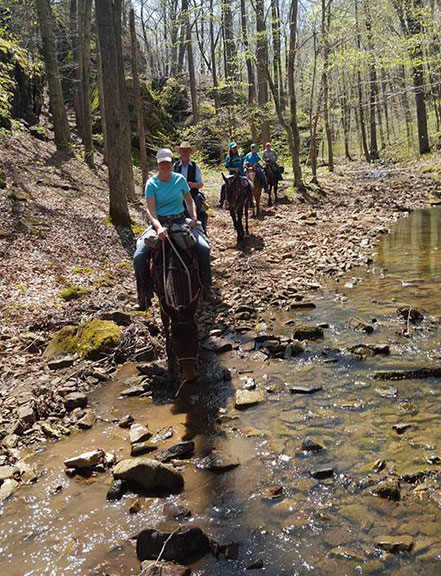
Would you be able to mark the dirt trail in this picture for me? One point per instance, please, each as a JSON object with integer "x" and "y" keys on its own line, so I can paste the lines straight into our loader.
{"x": 55, "y": 235}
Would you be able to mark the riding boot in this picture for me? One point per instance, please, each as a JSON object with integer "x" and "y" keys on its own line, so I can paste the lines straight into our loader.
{"x": 144, "y": 301}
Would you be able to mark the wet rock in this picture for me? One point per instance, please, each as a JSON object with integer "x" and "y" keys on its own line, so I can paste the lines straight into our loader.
{"x": 218, "y": 461}
{"x": 148, "y": 474}
{"x": 135, "y": 506}
{"x": 135, "y": 391}
{"x": 179, "y": 451}
{"x": 85, "y": 460}
{"x": 117, "y": 490}
{"x": 140, "y": 448}
{"x": 310, "y": 445}
{"x": 394, "y": 544}
{"x": 365, "y": 350}
{"x": 217, "y": 345}
{"x": 26, "y": 414}
{"x": 230, "y": 550}
{"x": 60, "y": 363}
{"x": 293, "y": 349}
{"x": 308, "y": 333}
{"x": 387, "y": 392}
{"x": 255, "y": 565}
{"x": 305, "y": 389}
{"x": 412, "y": 475}
{"x": 139, "y": 433}
{"x": 75, "y": 400}
{"x": 163, "y": 434}
{"x": 246, "y": 398}
{"x": 389, "y": 489}
{"x": 322, "y": 472}
{"x": 361, "y": 326}
{"x": 411, "y": 315}
{"x": 176, "y": 512}
{"x": 87, "y": 421}
{"x": 302, "y": 305}
{"x": 344, "y": 552}
{"x": 8, "y": 488}
{"x": 401, "y": 428}
{"x": 126, "y": 421}
{"x": 182, "y": 545}
{"x": 164, "y": 569}
{"x": 417, "y": 373}
{"x": 151, "y": 369}
{"x": 145, "y": 354}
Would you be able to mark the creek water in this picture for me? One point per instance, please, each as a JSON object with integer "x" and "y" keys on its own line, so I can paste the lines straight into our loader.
{"x": 270, "y": 504}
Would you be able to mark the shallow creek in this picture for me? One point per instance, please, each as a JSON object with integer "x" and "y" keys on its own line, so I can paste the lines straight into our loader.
{"x": 64, "y": 527}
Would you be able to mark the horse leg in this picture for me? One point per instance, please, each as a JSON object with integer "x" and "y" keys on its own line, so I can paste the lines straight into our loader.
{"x": 276, "y": 186}
{"x": 270, "y": 188}
{"x": 240, "y": 231}
{"x": 246, "y": 218}
{"x": 172, "y": 364}
{"x": 235, "y": 223}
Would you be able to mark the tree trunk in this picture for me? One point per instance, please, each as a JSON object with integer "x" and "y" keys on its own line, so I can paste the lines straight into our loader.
{"x": 360, "y": 92}
{"x": 76, "y": 63}
{"x": 262, "y": 67}
{"x": 138, "y": 100}
{"x": 415, "y": 29}
{"x": 84, "y": 19}
{"x": 127, "y": 165}
{"x": 99, "y": 74}
{"x": 250, "y": 70}
{"x": 190, "y": 61}
{"x": 295, "y": 151}
{"x": 373, "y": 152}
{"x": 213, "y": 59}
{"x": 119, "y": 211}
{"x": 56, "y": 101}
{"x": 326, "y": 19}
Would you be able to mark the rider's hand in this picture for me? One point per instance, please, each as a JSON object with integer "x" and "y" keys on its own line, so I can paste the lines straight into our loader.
{"x": 193, "y": 222}
{"x": 162, "y": 233}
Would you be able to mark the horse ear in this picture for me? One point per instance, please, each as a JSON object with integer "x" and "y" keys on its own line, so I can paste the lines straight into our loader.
{"x": 194, "y": 303}
{"x": 225, "y": 180}
{"x": 169, "y": 310}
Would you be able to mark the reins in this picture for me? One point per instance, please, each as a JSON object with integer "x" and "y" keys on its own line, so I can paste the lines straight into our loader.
{"x": 164, "y": 272}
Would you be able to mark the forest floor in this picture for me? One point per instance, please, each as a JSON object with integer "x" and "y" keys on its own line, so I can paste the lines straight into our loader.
{"x": 56, "y": 240}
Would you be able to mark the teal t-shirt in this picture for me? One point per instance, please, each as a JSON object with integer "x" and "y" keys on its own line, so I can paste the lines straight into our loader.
{"x": 252, "y": 158}
{"x": 168, "y": 195}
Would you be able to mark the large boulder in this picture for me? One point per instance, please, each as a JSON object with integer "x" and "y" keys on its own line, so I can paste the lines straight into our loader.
{"x": 149, "y": 475}
{"x": 92, "y": 340}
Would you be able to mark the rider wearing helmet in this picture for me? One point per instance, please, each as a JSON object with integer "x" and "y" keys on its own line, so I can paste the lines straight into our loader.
{"x": 252, "y": 160}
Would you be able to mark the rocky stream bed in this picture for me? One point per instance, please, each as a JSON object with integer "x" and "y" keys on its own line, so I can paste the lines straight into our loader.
{"x": 311, "y": 441}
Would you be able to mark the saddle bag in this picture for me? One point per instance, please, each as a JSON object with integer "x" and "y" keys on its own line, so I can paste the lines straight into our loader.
{"x": 183, "y": 235}
{"x": 151, "y": 238}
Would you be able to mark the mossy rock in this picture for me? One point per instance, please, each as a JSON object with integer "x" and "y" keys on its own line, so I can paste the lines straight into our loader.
{"x": 98, "y": 338}
{"x": 63, "y": 342}
{"x": 93, "y": 340}
{"x": 72, "y": 293}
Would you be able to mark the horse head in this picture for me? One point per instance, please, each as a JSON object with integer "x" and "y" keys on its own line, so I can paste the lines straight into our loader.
{"x": 184, "y": 335}
{"x": 232, "y": 186}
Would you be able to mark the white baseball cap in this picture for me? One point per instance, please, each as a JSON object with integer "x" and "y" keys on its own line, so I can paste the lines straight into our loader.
{"x": 164, "y": 155}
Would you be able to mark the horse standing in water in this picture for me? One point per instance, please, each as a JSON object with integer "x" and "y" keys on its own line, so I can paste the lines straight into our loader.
{"x": 177, "y": 284}
{"x": 272, "y": 177}
{"x": 238, "y": 198}
{"x": 256, "y": 188}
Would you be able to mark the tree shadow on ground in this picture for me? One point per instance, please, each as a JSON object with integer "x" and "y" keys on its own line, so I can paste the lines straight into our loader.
{"x": 128, "y": 239}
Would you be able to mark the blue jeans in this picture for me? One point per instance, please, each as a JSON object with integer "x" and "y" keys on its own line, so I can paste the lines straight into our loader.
{"x": 141, "y": 257}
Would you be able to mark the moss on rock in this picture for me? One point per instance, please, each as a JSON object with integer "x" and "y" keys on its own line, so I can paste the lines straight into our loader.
{"x": 63, "y": 342}
{"x": 92, "y": 340}
{"x": 97, "y": 338}
{"x": 72, "y": 293}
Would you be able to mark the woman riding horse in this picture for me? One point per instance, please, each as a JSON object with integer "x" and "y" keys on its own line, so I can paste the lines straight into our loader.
{"x": 234, "y": 163}
{"x": 165, "y": 193}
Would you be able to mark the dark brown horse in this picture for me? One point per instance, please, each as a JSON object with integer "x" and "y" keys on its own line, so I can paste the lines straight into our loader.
{"x": 256, "y": 188}
{"x": 272, "y": 177}
{"x": 177, "y": 284}
{"x": 238, "y": 197}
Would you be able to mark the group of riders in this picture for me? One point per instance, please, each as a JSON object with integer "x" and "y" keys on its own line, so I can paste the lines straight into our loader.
{"x": 174, "y": 198}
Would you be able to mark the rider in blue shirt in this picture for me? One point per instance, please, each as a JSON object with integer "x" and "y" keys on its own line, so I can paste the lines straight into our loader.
{"x": 233, "y": 160}
{"x": 252, "y": 160}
